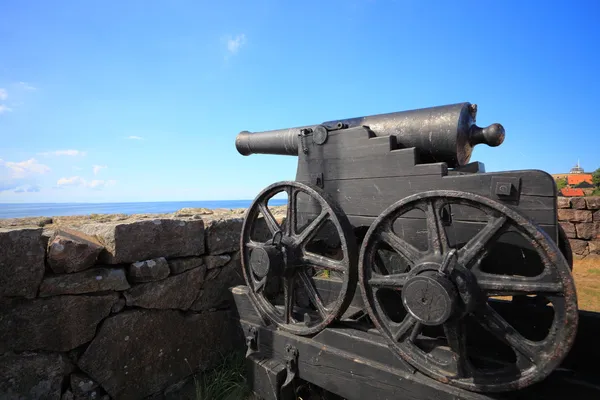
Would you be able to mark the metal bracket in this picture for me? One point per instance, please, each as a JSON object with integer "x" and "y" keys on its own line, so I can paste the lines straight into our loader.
{"x": 252, "y": 341}
{"x": 303, "y": 133}
{"x": 506, "y": 188}
{"x": 288, "y": 389}
{"x": 317, "y": 179}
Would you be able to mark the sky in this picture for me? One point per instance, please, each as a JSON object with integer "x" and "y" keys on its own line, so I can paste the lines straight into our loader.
{"x": 131, "y": 100}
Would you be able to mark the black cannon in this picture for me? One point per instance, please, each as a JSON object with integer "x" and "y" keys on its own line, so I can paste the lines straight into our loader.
{"x": 391, "y": 235}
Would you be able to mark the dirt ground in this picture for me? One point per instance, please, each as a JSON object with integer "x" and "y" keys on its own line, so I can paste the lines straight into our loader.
{"x": 587, "y": 282}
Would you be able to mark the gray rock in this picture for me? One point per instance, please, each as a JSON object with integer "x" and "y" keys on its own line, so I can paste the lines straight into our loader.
{"x": 223, "y": 235}
{"x": 118, "y": 306}
{"x": 67, "y": 395}
{"x": 215, "y": 290}
{"x": 190, "y": 211}
{"x": 149, "y": 270}
{"x": 82, "y": 384}
{"x": 216, "y": 261}
{"x": 72, "y": 251}
{"x": 177, "y": 292}
{"x": 179, "y": 265}
{"x": 59, "y": 323}
{"x": 32, "y": 375}
{"x": 89, "y": 281}
{"x": 23, "y": 222}
{"x": 140, "y": 352}
{"x": 130, "y": 241}
{"x": 21, "y": 261}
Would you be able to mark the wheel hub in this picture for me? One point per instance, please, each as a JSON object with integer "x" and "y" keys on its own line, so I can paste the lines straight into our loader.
{"x": 430, "y": 298}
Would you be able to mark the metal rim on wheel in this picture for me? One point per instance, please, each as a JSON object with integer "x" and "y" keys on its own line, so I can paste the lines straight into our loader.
{"x": 445, "y": 289}
{"x": 287, "y": 254}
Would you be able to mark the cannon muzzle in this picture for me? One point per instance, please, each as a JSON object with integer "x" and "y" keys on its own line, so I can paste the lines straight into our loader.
{"x": 441, "y": 134}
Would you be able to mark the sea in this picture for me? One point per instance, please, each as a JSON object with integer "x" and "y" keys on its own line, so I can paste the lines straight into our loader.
{"x": 19, "y": 210}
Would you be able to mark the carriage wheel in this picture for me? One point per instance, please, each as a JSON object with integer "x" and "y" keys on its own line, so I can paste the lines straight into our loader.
{"x": 284, "y": 259}
{"x": 444, "y": 295}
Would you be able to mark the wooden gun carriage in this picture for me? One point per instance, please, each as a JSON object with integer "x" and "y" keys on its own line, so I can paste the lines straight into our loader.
{"x": 401, "y": 269}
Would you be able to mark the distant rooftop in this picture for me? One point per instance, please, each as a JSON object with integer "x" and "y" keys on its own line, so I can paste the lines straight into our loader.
{"x": 577, "y": 169}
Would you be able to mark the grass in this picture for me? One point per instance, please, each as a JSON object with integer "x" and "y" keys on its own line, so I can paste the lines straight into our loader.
{"x": 586, "y": 273}
{"x": 224, "y": 382}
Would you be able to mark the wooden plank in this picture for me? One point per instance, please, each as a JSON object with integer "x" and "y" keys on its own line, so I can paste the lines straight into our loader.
{"x": 370, "y": 197}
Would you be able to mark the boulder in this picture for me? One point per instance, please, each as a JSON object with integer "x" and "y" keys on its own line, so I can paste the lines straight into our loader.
{"x": 579, "y": 247}
{"x": 223, "y": 235}
{"x": 216, "y": 261}
{"x": 569, "y": 229}
{"x": 596, "y": 216}
{"x": 179, "y": 265}
{"x": 593, "y": 203}
{"x": 89, "y": 281}
{"x": 118, "y": 306}
{"x": 140, "y": 352}
{"x": 59, "y": 323}
{"x": 563, "y": 202}
{"x": 594, "y": 246}
{"x": 190, "y": 211}
{"x": 575, "y": 215}
{"x": 22, "y": 266}
{"x": 72, "y": 251}
{"x": 149, "y": 270}
{"x": 131, "y": 241}
{"x": 177, "y": 291}
{"x": 578, "y": 203}
{"x": 23, "y": 222}
{"x": 33, "y": 375}
{"x": 82, "y": 384}
{"x": 215, "y": 290}
{"x": 588, "y": 230}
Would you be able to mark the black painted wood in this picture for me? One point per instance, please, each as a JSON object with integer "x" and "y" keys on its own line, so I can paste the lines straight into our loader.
{"x": 353, "y": 362}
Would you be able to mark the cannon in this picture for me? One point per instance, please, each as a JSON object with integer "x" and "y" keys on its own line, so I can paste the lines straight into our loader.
{"x": 392, "y": 238}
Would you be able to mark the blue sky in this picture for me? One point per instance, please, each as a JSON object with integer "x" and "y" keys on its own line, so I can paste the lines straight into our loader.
{"x": 105, "y": 101}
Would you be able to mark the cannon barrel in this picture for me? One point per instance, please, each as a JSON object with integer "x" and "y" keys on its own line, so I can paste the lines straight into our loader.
{"x": 441, "y": 134}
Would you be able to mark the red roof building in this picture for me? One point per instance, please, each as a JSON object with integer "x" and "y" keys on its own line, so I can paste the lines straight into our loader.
{"x": 569, "y": 192}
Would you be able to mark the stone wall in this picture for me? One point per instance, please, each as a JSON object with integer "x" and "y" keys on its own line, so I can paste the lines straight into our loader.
{"x": 580, "y": 219}
{"x": 120, "y": 307}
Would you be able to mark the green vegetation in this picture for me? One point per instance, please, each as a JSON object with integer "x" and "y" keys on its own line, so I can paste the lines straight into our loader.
{"x": 596, "y": 182}
{"x": 225, "y": 382}
{"x": 561, "y": 183}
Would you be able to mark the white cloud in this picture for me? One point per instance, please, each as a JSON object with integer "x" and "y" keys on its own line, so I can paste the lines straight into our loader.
{"x": 75, "y": 181}
{"x": 3, "y": 94}
{"x": 98, "y": 168}
{"x": 27, "y": 86}
{"x": 4, "y": 109}
{"x": 64, "y": 153}
{"x": 134, "y": 137}
{"x": 234, "y": 44}
{"x": 15, "y": 175}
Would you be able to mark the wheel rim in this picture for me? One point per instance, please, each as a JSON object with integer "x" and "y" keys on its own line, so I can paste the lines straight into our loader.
{"x": 285, "y": 255}
{"x": 454, "y": 294}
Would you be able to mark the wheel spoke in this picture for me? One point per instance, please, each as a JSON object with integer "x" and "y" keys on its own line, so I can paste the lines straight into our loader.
{"x": 474, "y": 248}
{"x": 317, "y": 261}
{"x": 499, "y": 327}
{"x": 269, "y": 219}
{"x": 438, "y": 241}
{"x": 259, "y": 285}
{"x": 405, "y": 249}
{"x": 457, "y": 341}
{"x": 400, "y": 330}
{"x": 498, "y": 285}
{"x": 288, "y": 299}
{"x": 314, "y": 296}
{"x": 308, "y": 232}
{"x": 291, "y": 215}
{"x": 393, "y": 281}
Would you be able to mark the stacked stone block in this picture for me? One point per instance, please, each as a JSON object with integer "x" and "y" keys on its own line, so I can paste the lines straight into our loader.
{"x": 580, "y": 219}
{"x": 121, "y": 309}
